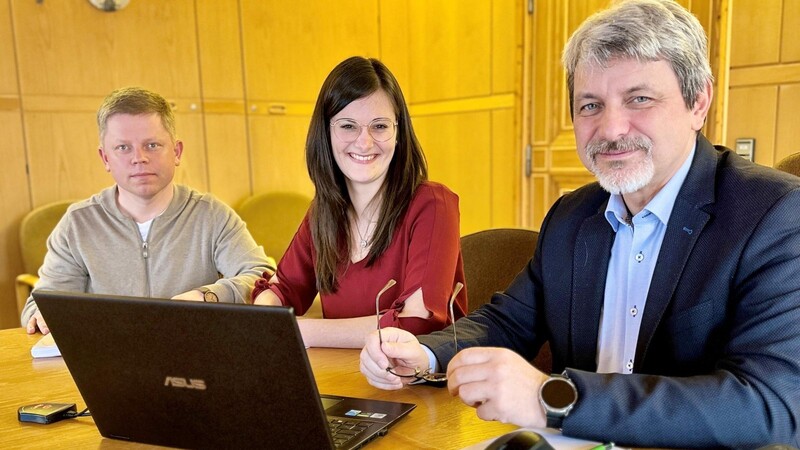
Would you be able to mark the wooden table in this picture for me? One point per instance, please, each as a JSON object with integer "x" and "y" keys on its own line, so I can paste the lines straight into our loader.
{"x": 439, "y": 421}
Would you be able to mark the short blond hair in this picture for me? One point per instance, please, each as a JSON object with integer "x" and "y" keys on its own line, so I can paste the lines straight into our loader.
{"x": 135, "y": 100}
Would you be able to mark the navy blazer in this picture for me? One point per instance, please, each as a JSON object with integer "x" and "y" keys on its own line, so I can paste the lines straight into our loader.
{"x": 718, "y": 354}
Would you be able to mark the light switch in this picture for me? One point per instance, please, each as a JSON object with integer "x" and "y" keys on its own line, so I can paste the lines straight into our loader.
{"x": 745, "y": 147}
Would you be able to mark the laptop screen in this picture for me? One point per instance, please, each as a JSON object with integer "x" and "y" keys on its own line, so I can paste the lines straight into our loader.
{"x": 193, "y": 374}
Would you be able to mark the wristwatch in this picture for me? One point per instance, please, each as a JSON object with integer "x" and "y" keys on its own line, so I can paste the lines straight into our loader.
{"x": 208, "y": 295}
{"x": 558, "y": 396}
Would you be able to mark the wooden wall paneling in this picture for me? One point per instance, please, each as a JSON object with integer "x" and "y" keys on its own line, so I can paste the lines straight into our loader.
{"x": 549, "y": 92}
{"x": 760, "y": 19}
{"x": 220, "y": 49}
{"x": 394, "y": 42}
{"x": 542, "y": 83}
{"x": 563, "y": 183}
{"x": 565, "y": 159}
{"x": 189, "y": 124}
{"x": 712, "y": 15}
{"x": 763, "y": 75}
{"x": 290, "y": 47}
{"x": 71, "y": 48}
{"x": 278, "y": 153}
{"x": 458, "y": 150}
{"x": 790, "y": 45}
{"x": 506, "y": 52}
{"x": 506, "y": 170}
{"x": 540, "y": 202}
{"x": 63, "y": 158}
{"x": 224, "y": 115}
{"x": 719, "y": 32}
{"x": 526, "y": 117}
{"x": 552, "y": 137}
{"x": 452, "y": 81}
{"x": 15, "y": 203}
{"x": 228, "y": 157}
{"x": 752, "y": 114}
{"x": 8, "y": 65}
{"x": 787, "y": 139}
{"x": 508, "y": 20}
{"x": 451, "y": 43}
{"x": 14, "y": 191}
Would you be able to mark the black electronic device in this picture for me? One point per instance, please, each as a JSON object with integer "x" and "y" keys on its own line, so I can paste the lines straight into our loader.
{"x": 520, "y": 440}
{"x": 46, "y": 412}
{"x": 235, "y": 376}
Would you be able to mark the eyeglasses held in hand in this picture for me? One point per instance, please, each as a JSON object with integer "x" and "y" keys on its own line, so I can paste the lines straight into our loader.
{"x": 348, "y": 130}
{"x": 419, "y": 374}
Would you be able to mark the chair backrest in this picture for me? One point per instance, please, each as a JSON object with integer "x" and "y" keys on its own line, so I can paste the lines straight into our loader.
{"x": 790, "y": 164}
{"x": 34, "y": 231}
{"x": 273, "y": 219}
{"x": 492, "y": 259}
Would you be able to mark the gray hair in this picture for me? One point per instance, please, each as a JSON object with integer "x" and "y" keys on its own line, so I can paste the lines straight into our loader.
{"x": 135, "y": 101}
{"x": 644, "y": 30}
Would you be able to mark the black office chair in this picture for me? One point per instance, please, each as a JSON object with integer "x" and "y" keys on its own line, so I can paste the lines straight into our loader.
{"x": 492, "y": 258}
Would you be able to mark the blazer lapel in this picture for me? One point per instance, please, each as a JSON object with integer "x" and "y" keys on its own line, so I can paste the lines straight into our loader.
{"x": 685, "y": 226}
{"x": 589, "y": 269}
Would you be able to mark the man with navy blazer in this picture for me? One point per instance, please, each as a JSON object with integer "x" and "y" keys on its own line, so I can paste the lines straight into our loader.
{"x": 669, "y": 291}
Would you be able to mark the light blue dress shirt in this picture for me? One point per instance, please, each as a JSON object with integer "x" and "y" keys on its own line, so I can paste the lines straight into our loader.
{"x": 630, "y": 270}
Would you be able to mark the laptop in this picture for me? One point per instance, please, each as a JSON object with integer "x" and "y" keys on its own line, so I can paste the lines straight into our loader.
{"x": 203, "y": 375}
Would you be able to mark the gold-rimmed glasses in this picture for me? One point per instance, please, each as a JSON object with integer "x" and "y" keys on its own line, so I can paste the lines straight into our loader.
{"x": 427, "y": 374}
{"x": 348, "y": 130}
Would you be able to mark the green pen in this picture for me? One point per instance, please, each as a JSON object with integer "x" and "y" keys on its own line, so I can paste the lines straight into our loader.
{"x": 606, "y": 446}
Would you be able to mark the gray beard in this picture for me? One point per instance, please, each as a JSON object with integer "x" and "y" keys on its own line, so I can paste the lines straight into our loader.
{"x": 622, "y": 177}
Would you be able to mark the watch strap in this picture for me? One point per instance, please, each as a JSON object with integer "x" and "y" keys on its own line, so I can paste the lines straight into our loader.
{"x": 554, "y": 420}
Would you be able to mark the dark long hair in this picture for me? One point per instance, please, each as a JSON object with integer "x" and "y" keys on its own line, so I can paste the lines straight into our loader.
{"x": 353, "y": 79}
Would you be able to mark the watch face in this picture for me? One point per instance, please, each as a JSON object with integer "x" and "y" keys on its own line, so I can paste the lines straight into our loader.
{"x": 210, "y": 297}
{"x": 558, "y": 393}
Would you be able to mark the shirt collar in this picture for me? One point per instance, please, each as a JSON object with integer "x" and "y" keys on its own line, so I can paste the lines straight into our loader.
{"x": 661, "y": 205}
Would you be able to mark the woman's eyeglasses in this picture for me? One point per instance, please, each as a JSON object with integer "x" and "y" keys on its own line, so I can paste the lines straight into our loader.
{"x": 348, "y": 130}
{"x": 427, "y": 374}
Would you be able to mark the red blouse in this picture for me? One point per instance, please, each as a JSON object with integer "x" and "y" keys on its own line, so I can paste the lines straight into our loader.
{"x": 425, "y": 252}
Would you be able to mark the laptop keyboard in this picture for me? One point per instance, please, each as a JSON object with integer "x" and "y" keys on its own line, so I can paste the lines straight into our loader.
{"x": 343, "y": 431}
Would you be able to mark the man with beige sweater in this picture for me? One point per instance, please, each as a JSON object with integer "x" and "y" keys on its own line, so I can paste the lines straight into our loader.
{"x": 147, "y": 236}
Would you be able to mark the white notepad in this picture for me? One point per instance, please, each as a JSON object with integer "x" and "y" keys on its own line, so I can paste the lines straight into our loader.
{"x": 45, "y": 348}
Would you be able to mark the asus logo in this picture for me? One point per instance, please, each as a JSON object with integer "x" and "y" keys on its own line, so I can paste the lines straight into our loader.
{"x": 180, "y": 382}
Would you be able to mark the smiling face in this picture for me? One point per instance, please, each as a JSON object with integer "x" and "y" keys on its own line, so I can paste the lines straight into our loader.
{"x": 140, "y": 154}
{"x": 365, "y": 162}
{"x": 632, "y": 126}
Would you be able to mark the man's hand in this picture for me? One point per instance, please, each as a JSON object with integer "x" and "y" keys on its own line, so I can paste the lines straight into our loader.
{"x": 401, "y": 350}
{"x": 193, "y": 295}
{"x": 499, "y": 383}
{"x": 37, "y": 321}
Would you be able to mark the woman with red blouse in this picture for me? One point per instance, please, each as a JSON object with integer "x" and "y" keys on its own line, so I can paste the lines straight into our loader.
{"x": 374, "y": 218}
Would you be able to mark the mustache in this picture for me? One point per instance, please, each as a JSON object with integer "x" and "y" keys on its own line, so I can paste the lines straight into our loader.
{"x": 623, "y": 144}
